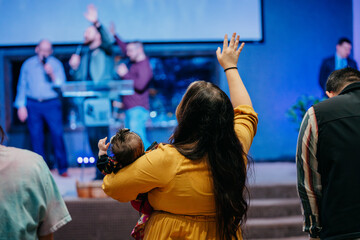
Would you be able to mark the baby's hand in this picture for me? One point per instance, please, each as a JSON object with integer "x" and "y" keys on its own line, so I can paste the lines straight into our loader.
{"x": 102, "y": 145}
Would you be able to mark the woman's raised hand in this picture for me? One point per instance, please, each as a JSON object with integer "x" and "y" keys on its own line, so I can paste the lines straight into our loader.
{"x": 230, "y": 54}
{"x": 228, "y": 59}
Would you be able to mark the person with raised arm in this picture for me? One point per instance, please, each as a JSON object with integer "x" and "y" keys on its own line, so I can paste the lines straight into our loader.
{"x": 95, "y": 64}
{"x": 136, "y": 105}
{"x": 197, "y": 183}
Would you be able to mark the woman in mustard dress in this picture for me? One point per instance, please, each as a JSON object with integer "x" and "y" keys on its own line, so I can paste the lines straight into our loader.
{"x": 196, "y": 184}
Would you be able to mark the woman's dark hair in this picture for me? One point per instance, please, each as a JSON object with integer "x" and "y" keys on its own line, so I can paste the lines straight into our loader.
{"x": 126, "y": 146}
{"x": 206, "y": 129}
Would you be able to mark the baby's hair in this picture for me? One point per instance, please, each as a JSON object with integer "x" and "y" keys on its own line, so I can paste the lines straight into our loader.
{"x": 126, "y": 146}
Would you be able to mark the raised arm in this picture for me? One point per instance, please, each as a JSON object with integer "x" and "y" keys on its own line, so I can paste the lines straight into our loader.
{"x": 107, "y": 43}
{"x": 92, "y": 16}
{"x": 228, "y": 59}
{"x": 118, "y": 41}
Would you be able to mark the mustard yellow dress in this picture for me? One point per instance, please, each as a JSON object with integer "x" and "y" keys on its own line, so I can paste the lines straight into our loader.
{"x": 180, "y": 190}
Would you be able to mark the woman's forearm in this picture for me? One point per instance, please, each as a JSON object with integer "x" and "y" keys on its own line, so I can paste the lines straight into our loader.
{"x": 238, "y": 92}
{"x": 228, "y": 59}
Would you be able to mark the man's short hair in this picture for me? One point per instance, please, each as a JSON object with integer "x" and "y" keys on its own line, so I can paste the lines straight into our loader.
{"x": 339, "y": 78}
{"x": 44, "y": 40}
{"x": 342, "y": 40}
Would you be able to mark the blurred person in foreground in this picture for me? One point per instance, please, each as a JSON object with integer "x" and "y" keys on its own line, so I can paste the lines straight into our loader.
{"x": 31, "y": 205}
{"x": 38, "y": 103}
{"x": 196, "y": 184}
{"x": 327, "y": 159}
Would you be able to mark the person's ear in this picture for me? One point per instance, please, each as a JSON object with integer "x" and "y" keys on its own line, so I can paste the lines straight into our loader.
{"x": 330, "y": 94}
{"x": 37, "y": 50}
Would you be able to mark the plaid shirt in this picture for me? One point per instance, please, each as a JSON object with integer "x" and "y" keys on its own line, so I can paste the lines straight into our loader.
{"x": 308, "y": 177}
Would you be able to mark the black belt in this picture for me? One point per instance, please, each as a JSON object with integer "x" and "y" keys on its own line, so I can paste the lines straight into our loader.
{"x": 41, "y": 100}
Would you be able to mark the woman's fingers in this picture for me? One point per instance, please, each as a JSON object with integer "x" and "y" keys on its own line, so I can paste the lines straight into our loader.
{"x": 218, "y": 52}
{"x": 240, "y": 48}
{"x": 225, "y": 45}
{"x": 232, "y": 41}
{"x": 237, "y": 42}
{"x": 233, "y": 45}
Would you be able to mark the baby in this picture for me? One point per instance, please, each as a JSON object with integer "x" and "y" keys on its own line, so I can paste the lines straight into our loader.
{"x": 125, "y": 148}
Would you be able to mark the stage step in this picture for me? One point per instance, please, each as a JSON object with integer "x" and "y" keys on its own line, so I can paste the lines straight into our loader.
{"x": 274, "y": 228}
{"x": 273, "y": 191}
{"x": 274, "y": 213}
{"x": 272, "y": 208}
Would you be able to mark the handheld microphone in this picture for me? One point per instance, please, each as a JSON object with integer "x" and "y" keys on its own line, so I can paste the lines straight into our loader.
{"x": 44, "y": 60}
{"x": 78, "y": 49}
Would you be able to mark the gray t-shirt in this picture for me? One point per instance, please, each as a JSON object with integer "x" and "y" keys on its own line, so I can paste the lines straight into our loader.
{"x": 31, "y": 204}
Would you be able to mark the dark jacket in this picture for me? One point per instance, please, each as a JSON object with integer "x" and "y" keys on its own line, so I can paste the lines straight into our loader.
{"x": 338, "y": 154}
{"x": 328, "y": 66}
{"x": 101, "y": 63}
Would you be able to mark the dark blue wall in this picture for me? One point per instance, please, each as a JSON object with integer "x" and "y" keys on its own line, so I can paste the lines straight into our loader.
{"x": 298, "y": 35}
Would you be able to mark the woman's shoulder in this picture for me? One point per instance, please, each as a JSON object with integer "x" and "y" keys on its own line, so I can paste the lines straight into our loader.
{"x": 165, "y": 153}
{"x": 244, "y": 109}
{"x": 165, "y": 149}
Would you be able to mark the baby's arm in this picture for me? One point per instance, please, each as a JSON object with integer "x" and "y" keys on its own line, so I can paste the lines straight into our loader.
{"x": 104, "y": 163}
{"x": 103, "y": 146}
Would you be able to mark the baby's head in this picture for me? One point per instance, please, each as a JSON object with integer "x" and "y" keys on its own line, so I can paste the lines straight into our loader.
{"x": 126, "y": 146}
